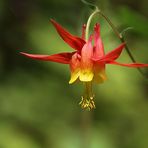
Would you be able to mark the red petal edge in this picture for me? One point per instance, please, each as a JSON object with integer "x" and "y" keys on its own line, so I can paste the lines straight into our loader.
{"x": 133, "y": 65}
{"x": 75, "y": 42}
{"x": 63, "y": 58}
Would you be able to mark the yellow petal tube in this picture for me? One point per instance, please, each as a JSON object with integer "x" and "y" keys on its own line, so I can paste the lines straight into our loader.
{"x": 86, "y": 75}
{"x": 74, "y": 76}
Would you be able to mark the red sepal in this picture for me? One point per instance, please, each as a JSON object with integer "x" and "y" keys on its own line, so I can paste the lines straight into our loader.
{"x": 114, "y": 54}
{"x": 63, "y": 58}
{"x": 75, "y": 42}
{"x": 111, "y": 56}
{"x": 134, "y": 65}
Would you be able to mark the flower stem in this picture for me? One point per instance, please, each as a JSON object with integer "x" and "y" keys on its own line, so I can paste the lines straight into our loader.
{"x": 89, "y": 21}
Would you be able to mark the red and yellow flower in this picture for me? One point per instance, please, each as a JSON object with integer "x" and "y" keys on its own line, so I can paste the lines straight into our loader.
{"x": 87, "y": 62}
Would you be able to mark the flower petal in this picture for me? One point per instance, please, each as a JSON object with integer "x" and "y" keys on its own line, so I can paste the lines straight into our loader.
{"x": 74, "y": 76}
{"x": 75, "y": 42}
{"x": 86, "y": 54}
{"x": 86, "y": 73}
{"x": 134, "y": 65}
{"x": 98, "y": 44}
{"x": 99, "y": 73}
{"x": 63, "y": 58}
{"x": 74, "y": 67}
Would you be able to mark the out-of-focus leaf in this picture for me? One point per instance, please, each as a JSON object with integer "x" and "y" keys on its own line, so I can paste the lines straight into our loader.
{"x": 90, "y": 5}
{"x": 132, "y": 18}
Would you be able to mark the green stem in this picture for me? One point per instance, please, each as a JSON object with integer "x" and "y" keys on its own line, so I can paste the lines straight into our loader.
{"x": 89, "y": 21}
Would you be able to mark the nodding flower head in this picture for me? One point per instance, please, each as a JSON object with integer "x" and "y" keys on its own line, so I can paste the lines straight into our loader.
{"x": 87, "y": 62}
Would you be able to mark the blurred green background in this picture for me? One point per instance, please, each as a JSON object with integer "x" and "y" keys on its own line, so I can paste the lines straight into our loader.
{"x": 39, "y": 109}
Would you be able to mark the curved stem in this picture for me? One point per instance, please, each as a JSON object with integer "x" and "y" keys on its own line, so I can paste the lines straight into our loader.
{"x": 89, "y": 21}
{"x": 120, "y": 36}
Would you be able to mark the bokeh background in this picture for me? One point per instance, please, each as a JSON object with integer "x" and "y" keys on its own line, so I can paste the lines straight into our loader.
{"x": 39, "y": 109}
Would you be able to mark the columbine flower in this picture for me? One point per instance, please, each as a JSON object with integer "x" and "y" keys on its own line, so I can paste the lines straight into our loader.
{"x": 87, "y": 63}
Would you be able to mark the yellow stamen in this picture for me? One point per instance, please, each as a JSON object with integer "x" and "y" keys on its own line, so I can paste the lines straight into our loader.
{"x": 87, "y": 101}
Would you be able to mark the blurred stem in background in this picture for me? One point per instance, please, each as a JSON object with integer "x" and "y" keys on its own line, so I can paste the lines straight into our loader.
{"x": 86, "y": 128}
